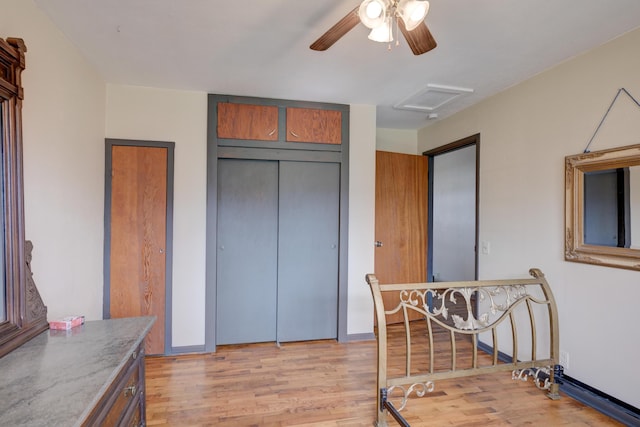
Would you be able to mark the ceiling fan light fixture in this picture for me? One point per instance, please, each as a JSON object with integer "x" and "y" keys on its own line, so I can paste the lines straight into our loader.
{"x": 385, "y": 13}
{"x": 412, "y": 12}
{"x": 382, "y": 33}
{"x": 373, "y": 13}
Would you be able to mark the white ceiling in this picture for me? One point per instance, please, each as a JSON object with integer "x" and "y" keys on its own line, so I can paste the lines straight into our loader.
{"x": 261, "y": 47}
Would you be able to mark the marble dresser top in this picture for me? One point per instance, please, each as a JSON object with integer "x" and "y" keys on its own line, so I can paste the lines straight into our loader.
{"x": 56, "y": 378}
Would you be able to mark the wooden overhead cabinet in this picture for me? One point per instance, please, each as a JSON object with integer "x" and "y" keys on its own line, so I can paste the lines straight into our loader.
{"x": 314, "y": 125}
{"x": 247, "y": 121}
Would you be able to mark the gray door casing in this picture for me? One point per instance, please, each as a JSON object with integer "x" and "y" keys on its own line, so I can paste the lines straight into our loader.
{"x": 106, "y": 301}
{"x": 453, "y": 210}
{"x": 280, "y": 150}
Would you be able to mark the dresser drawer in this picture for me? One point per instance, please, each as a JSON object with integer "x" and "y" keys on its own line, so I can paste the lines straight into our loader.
{"x": 125, "y": 394}
{"x": 134, "y": 417}
{"x": 123, "y": 404}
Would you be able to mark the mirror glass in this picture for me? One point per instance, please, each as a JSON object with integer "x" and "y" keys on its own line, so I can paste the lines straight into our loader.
{"x": 612, "y": 207}
{"x": 602, "y": 210}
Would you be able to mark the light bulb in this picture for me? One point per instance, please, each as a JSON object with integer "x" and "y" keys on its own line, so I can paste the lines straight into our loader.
{"x": 420, "y": 11}
{"x": 373, "y": 13}
{"x": 412, "y": 12}
{"x": 373, "y": 10}
{"x": 383, "y": 33}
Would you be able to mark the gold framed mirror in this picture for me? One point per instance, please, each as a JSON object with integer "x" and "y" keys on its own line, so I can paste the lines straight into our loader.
{"x": 602, "y": 207}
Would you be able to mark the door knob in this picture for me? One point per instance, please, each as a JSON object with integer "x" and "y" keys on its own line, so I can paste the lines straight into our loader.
{"x": 378, "y": 244}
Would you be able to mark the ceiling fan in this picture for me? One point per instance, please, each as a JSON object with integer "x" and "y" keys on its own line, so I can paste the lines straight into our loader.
{"x": 379, "y": 16}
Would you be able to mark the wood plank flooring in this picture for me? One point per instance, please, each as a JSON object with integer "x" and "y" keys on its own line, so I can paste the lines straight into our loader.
{"x": 325, "y": 383}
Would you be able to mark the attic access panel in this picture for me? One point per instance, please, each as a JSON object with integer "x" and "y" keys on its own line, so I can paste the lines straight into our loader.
{"x": 432, "y": 97}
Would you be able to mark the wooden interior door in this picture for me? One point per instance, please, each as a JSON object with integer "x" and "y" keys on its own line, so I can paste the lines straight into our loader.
{"x": 138, "y": 224}
{"x": 401, "y": 221}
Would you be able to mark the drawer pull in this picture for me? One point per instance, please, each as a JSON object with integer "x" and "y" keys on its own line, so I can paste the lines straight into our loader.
{"x": 134, "y": 355}
{"x": 294, "y": 134}
{"x": 272, "y": 132}
{"x": 130, "y": 391}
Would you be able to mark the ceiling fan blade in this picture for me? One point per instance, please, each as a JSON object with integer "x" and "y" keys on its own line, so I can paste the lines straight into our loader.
{"x": 419, "y": 39}
{"x": 334, "y": 33}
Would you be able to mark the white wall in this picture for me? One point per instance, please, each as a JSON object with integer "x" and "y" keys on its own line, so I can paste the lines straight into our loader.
{"x": 63, "y": 127}
{"x": 525, "y": 134}
{"x": 397, "y": 140}
{"x": 180, "y": 117}
{"x": 362, "y": 198}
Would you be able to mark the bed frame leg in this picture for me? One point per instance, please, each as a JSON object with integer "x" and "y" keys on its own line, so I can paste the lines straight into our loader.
{"x": 386, "y": 404}
{"x": 554, "y": 389}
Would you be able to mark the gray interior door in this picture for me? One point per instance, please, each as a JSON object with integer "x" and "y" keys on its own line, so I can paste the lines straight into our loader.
{"x": 247, "y": 252}
{"x": 308, "y": 251}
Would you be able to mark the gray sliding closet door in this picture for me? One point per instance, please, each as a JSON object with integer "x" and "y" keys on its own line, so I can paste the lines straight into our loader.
{"x": 247, "y": 252}
{"x": 308, "y": 251}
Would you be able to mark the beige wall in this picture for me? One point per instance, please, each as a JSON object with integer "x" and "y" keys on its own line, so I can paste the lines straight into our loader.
{"x": 63, "y": 125}
{"x": 526, "y": 132}
{"x": 362, "y": 178}
{"x": 180, "y": 117}
{"x": 397, "y": 140}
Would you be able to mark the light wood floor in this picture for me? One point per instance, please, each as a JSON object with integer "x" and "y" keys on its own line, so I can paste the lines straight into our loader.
{"x": 324, "y": 383}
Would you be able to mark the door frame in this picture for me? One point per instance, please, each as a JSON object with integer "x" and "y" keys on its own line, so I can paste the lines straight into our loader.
{"x": 106, "y": 298}
{"x": 461, "y": 143}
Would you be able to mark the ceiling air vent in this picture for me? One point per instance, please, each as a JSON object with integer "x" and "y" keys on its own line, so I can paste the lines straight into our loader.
{"x": 432, "y": 97}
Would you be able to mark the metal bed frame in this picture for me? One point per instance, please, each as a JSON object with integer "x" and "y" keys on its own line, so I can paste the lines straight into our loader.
{"x": 502, "y": 303}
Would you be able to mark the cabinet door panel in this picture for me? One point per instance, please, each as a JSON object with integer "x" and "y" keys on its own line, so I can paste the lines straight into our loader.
{"x": 247, "y": 251}
{"x": 245, "y": 121}
{"x": 308, "y": 251}
{"x": 313, "y": 125}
